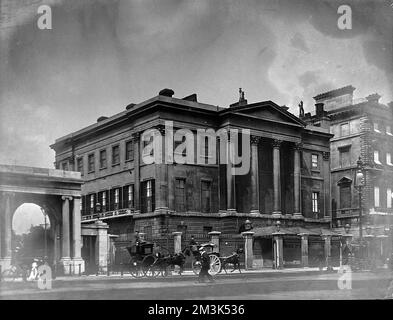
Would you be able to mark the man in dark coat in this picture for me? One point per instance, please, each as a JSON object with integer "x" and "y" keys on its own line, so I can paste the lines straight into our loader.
{"x": 205, "y": 266}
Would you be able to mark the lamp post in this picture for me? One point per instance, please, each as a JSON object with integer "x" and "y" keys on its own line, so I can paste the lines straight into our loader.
{"x": 359, "y": 184}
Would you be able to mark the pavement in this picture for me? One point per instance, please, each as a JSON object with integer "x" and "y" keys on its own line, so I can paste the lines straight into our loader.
{"x": 265, "y": 284}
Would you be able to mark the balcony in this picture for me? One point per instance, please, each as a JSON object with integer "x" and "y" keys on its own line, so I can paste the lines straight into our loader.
{"x": 116, "y": 210}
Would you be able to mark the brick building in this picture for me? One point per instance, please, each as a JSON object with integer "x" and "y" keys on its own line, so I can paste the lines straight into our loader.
{"x": 288, "y": 179}
{"x": 361, "y": 128}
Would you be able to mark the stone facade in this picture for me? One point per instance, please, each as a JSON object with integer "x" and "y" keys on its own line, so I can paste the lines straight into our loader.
{"x": 361, "y": 128}
{"x": 280, "y": 185}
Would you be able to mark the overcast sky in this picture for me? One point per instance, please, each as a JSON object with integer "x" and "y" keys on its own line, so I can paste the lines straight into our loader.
{"x": 102, "y": 55}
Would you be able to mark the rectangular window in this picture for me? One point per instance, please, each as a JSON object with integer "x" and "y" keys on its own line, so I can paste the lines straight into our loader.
{"x": 180, "y": 195}
{"x": 103, "y": 161}
{"x": 345, "y": 157}
{"x": 205, "y": 196}
{"x": 79, "y": 164}
{"x": 388, "y": 198}
{"x": 389, "y": 130}
{"x": 344, "y": 129}
{"x": 128, "y": 192}
{"x": 315, "y": 202}
{"x": 117, "y": 196}
{"x": 376, "y": 127}
{"x": 115, "y": 155}
{"x": 147, "y": 196}
{"x": 389, "y": 159}
{"x": 345, "y": 196}
{"x": 376, "y": 157}
{"x": 91, "y": 163}
{"x": 376, "y": 197}
{"x": 103, "y": 199}
{"x": 314, "y": 161}
{"x": 92, "y": 201}
{"x": 129, "y": 150}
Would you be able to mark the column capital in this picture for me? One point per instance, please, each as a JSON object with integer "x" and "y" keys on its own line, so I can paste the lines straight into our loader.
{"x": 177, "y": 233}
{"x": 276, "y": 143}
{"x": 161, "y": 128}
{"x": 66, "y": 198}
{"x": 298, "y": 146}
{"x": 255, "y": 140}
{"x": 326, "y": 155}
{"x": 214, "y": 233}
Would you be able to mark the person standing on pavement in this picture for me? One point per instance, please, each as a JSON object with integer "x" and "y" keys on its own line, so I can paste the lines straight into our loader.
{"x": 205, "y": 266}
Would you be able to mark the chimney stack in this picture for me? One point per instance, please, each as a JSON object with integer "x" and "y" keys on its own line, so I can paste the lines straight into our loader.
{"x": 373, "y": 97}
{"x": 319, "y": 109}
{"x": 166, "y": 92}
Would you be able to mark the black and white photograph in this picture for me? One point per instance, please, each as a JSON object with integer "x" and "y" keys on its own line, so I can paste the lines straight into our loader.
{"x": 196, "y": 154}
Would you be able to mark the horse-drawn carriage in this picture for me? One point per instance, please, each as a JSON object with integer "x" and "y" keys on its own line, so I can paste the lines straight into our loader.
{"x": 145, "y": 262}
{"x": 142, "y": 258}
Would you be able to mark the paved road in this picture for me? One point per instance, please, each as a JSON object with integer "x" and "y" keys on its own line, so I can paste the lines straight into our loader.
{"x": 287, "y": 286}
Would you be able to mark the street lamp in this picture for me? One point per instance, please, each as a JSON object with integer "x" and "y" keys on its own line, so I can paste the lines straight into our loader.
{"x": 359, "y": 184}
{"x": 278, "y": 225}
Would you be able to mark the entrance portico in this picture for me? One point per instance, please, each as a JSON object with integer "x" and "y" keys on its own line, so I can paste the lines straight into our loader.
{"x": 58, "y": 192}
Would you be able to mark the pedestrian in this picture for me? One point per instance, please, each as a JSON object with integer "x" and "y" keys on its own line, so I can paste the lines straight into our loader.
{"x": 205, "y": 266}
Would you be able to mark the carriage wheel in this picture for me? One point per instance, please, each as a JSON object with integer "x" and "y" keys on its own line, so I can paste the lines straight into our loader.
{"x": 148, "y": 266}
{"x": 215, "y": 264}
{"x": 136, "y": 269}
{"x": 196, "y": 266}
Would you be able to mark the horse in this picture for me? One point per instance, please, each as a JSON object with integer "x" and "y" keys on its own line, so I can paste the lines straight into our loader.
{"x": 233, "y": 259}
{"x": 171, "y": 260}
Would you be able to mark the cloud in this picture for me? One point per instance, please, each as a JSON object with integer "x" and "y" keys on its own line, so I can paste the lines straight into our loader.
{"x": 299, "y": 42}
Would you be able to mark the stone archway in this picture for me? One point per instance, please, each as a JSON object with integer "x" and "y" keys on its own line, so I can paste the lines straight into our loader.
{"x": 56, "y": 190}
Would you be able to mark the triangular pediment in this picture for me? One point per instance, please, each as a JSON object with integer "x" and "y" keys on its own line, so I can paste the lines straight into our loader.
{"x": 270, "y": 111}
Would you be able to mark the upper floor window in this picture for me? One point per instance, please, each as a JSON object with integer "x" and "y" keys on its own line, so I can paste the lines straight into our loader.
{"x": 206, "y": 196}
{"x": 180, "y": 195}
{"x": 315, "y": 202}
{"x": 103, "y": 160}
{"x": 91, "y": 162}
{"x": 388, "y": 198}
{"x": 129, "y": 150}
{"x": 79, "y": 165}
{"x": 345, "y": 196}
{"x": 376, "y": 127}
{"x": 314, "y": 161}
{"x": 344, "y": 129}
{"x": 92, "y": 202}
{"x": 117, "y": 193}
{"x": 147, "y": 196}
{"x": 376, "y": 157}
{"x": 345, "y": 156}
{"x": 376, "y": 196}
{"x": 389, "y": 130}
{"x": 128, "y": 192}
{"x": 389, "y": 159}
{"x": 115, "y": 155}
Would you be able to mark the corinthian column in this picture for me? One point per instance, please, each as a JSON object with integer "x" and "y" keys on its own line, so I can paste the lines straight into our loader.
{"x": 276, "y": 178}
{"x": 254, "y": 175}
{"x": 296, "y": 177}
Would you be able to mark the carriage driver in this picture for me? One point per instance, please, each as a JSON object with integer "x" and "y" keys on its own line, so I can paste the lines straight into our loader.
{"x": 193, "y": 245}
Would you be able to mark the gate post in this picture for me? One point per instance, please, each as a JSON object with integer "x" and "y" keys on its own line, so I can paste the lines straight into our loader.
{"x": 248, "y": 252}
{"x": 177, "y": 241}
{"x": 304, "y": 249}
{"x": 278, "y": 250}
{"x": 215, "y": 238}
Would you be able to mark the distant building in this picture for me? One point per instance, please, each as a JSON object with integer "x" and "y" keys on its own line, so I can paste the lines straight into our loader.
{"x": 288, "y": 178}
{"x": 361, "y": 128}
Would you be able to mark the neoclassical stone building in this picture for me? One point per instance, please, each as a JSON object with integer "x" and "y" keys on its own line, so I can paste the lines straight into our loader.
{"x": 288, "y": 179}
